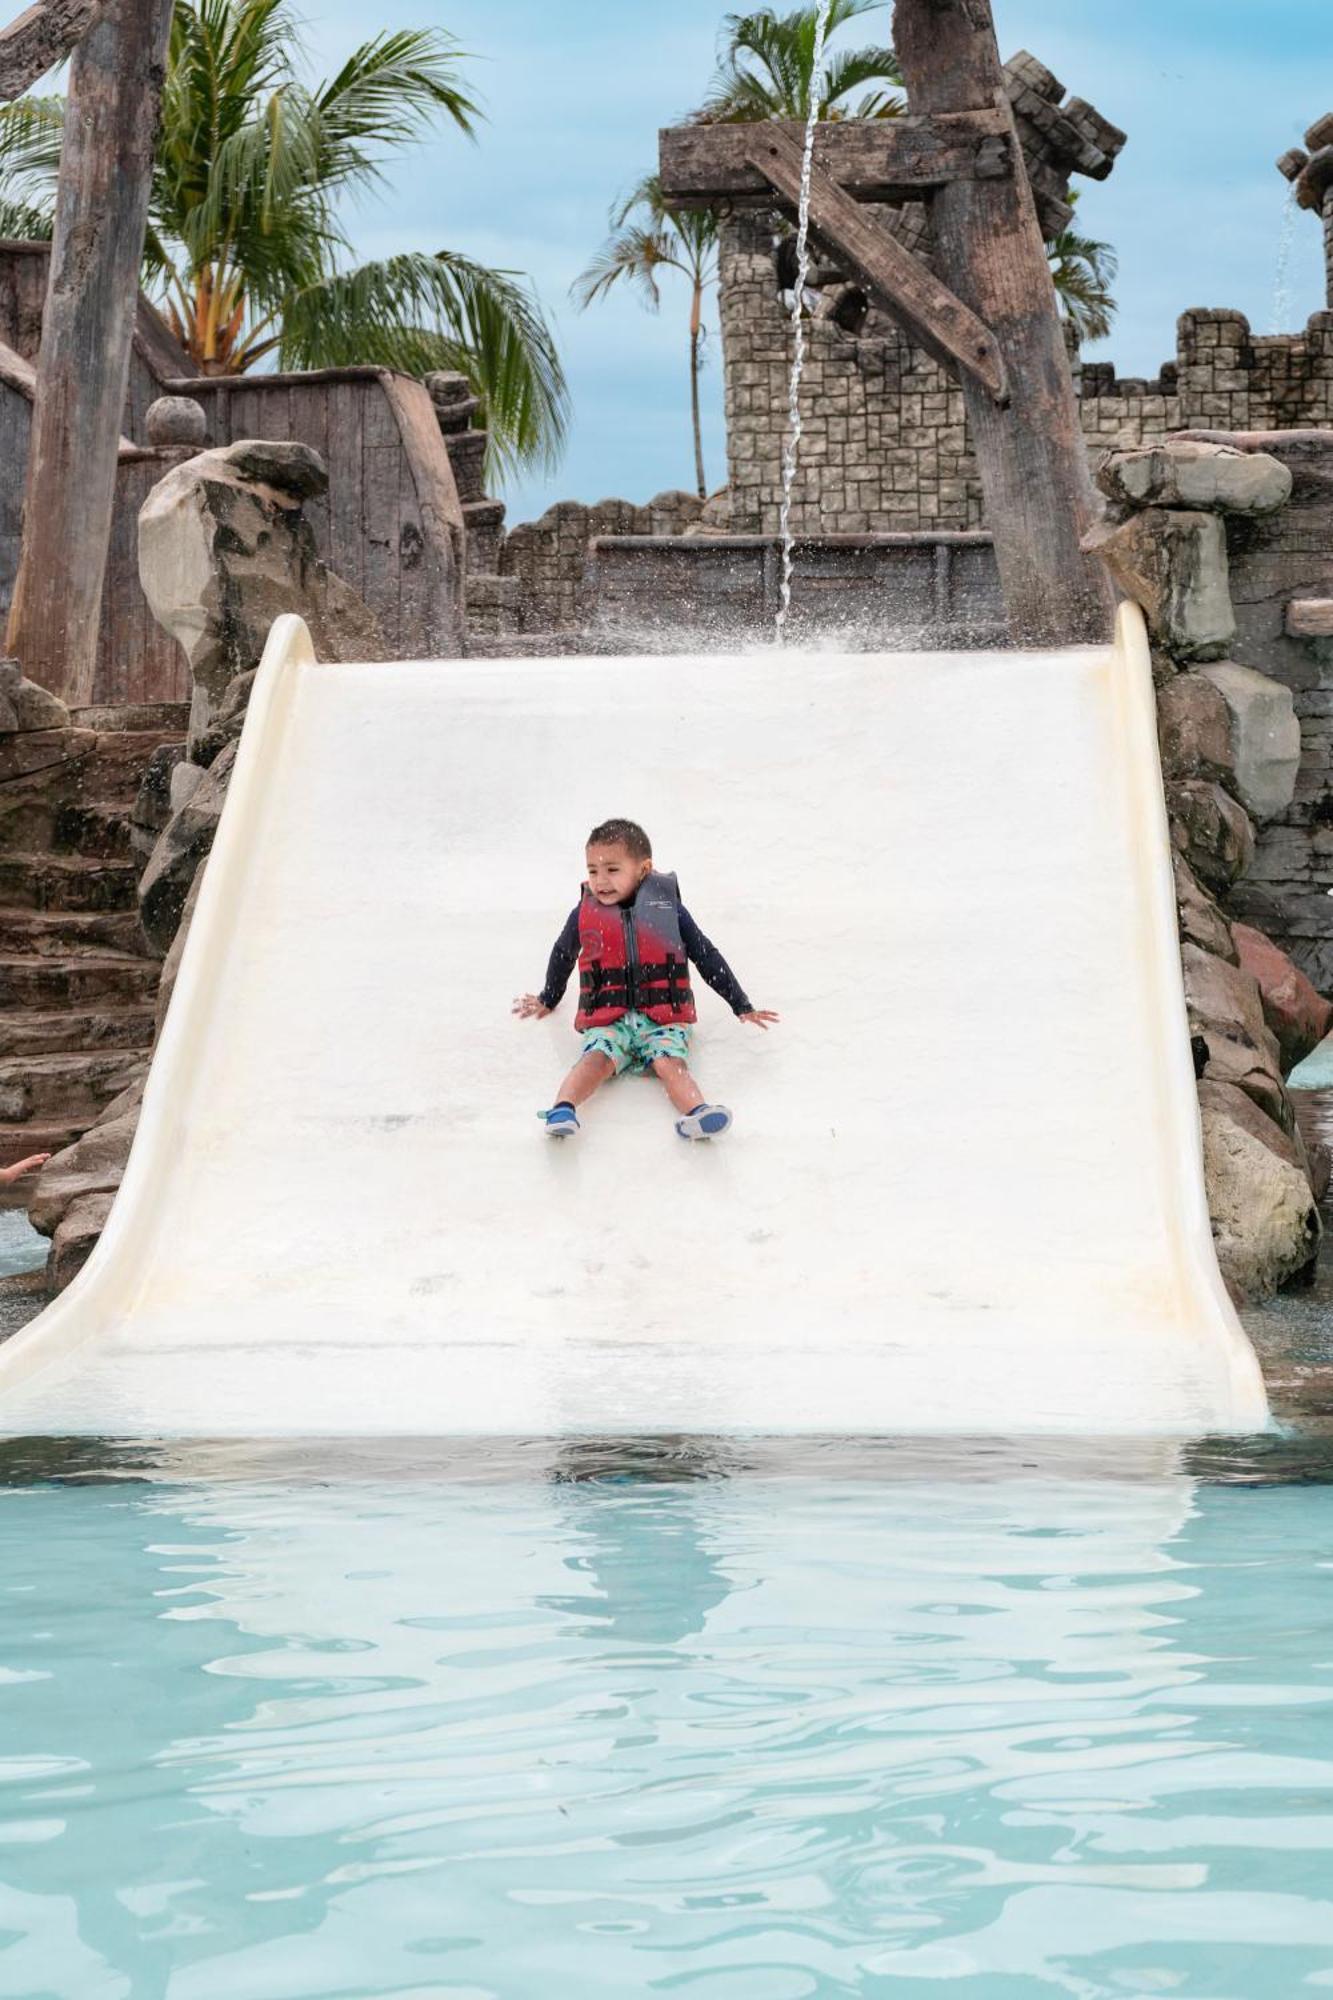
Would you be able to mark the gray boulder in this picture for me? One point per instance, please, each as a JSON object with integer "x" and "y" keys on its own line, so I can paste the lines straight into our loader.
{"x": 1175, "y": 565}
{"x": 24, "y": 705}
{"x": 1225, "y": 1008}
{"x": 227, "y": 721}
{"x": 1224, "y": 998}
{"x": 1193, "y": 729}
{"x": 1265, "y": 1222}
{"x": 94, "y": 1164}
{"x": 181, "y": 846}
{"x": 1201, "y": 920}
{"x": 1211, "y": 830}
{"x": 1188, "y": 473}
{"x": 1264, "y": 736}
{"x": 225, "y": 547}
{"x": 76, "y": 1238}
{"x": 156, "y": 797}
{"x": 185, "y": 782}
{"x": 171, "y": 964}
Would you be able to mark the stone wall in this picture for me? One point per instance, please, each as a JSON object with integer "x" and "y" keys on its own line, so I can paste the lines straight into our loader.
{"x": 883, "y": 435}
{"x": 884, "y": 444}
{"x": 548, "y": 558}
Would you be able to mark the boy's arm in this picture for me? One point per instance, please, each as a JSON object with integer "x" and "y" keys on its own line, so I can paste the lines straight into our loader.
{"x": 712, "y": 967}
{"x": 564, "y": 957}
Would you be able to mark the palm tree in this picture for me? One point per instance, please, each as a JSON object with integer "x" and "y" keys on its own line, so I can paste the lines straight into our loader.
{"x": 1083, "y": 269}
{"x": 246, "y": 250}
{"x": 639, "y": 251}
{"x": 766, "y": 65}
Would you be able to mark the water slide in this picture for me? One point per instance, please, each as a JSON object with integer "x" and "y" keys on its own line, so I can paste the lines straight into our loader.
{"x": 963, "y": 1192}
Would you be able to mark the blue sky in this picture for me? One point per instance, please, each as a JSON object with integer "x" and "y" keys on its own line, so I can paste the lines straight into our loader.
{"x": 1210, "y": 92}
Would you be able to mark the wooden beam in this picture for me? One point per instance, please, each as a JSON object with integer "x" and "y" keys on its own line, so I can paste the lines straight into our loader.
{"x": 896, "y": 159}
{"x": 39, "y": 38}
{"x": 115, "y": 90}
{"x": 926, "y": 309}
{"x": 988, "y": 247}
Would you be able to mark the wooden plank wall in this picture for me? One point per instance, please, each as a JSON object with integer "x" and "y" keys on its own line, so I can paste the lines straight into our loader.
{"x": 22, "y": 298}
{"x": 391, "y": 524}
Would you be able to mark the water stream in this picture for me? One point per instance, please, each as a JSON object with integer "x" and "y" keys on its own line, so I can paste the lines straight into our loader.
{"x": 1282, "y": 273}
{"x": 792, "y": 441}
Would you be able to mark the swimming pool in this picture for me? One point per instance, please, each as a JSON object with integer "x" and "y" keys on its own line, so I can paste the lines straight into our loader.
{"x": 759, "y": 1725}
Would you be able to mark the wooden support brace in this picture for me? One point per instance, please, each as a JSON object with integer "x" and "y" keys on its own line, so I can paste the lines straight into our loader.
{"x": 933, "y": 316}
{"x": 39, "y": 38}
{"x": 890, "y": 160}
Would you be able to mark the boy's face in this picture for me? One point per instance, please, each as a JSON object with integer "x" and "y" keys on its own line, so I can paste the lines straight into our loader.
{"x": 613, "y": 873}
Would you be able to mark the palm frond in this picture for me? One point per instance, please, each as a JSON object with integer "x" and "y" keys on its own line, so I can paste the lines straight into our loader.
{"x": 634, "y": 254}
{"x": 766, "y": 68}
{"x": 30, "y": 135}
{"x": 1084, "y": 269}
{"x": 404, "y": 312}
{"x": 389, "y": 93}
{"x": 684, "y": 241}
{"x": 848, "y": 70}
{"x": 245, "y": 248}
{"x": 21, "y": 222}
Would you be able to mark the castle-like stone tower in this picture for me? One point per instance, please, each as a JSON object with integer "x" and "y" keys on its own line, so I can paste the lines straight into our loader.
{"x": 1311, "y": 174}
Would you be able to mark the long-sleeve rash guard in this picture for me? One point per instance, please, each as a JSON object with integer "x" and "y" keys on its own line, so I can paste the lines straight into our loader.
{"x": 701, "y": 952}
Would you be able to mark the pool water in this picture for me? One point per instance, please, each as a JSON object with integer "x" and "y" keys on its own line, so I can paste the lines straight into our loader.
{"x": 538, "y": 1723}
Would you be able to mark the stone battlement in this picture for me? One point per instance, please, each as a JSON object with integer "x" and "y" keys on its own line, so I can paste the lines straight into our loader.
{"x": 884, "y": 441}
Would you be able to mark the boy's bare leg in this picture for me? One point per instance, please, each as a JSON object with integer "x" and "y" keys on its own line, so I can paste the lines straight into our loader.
{"x": 680, "y": 1086}
{"x": 587, "y": 1074}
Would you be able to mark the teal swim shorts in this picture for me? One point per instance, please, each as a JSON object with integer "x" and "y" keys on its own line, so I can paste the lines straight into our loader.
{"x": 635, "y": 1043}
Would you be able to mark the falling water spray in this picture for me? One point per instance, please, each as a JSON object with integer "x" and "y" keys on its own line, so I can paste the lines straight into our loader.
{"x": 1282, "y": 274}
{"x": 791, "y": 442}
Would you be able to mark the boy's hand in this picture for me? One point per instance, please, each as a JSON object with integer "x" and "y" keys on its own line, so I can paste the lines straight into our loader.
{"x": 21, "y": 1167}
{"x": 759, "y": 1017}
{"x": 528, "y": 1007}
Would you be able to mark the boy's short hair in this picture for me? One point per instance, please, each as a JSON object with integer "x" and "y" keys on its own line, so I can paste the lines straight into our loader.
{"x": 626, "y": 833}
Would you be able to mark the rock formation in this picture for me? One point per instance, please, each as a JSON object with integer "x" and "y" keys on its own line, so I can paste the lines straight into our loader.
{"x": 1230, "y": 746}
{"x": 224, "y": 548}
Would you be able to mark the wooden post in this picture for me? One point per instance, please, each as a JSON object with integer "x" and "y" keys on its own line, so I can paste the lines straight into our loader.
{"x": 115, "y": 91}
{"x": 989, "y": 251}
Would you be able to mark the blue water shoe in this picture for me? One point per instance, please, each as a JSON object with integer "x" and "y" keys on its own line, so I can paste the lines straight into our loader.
{"x": 706, "y": 1121}
{"x": 562, "y": 1122}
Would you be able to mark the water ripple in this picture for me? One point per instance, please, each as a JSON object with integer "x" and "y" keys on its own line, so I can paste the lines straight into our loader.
{"x": 744, "y": 1736}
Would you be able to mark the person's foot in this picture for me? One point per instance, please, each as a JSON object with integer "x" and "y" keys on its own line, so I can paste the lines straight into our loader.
{"x": 562, "y": 1122}
{"x": 706, "y": 1121}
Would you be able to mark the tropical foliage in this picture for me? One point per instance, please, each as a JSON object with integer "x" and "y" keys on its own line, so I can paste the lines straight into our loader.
{"x": 1084, "y": 271}
{"x": 766, "y": 66}
{"x": 247, "y": 248}
{"x": 647, "y": 238}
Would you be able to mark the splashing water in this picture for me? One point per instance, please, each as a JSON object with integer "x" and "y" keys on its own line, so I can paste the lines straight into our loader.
{"x": 1282, "y": 274}
{"x": 792, "y": 441}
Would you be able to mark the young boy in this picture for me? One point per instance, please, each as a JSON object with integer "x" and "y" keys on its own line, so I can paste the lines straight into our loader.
{"x": 634, "y": 941}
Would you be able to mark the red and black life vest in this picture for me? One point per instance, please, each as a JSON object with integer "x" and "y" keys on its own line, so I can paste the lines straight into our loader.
{"x": 631, "y": 958}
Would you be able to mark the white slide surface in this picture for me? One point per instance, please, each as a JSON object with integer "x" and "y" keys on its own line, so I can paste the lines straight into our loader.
{"x": 963, "y": 1192}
